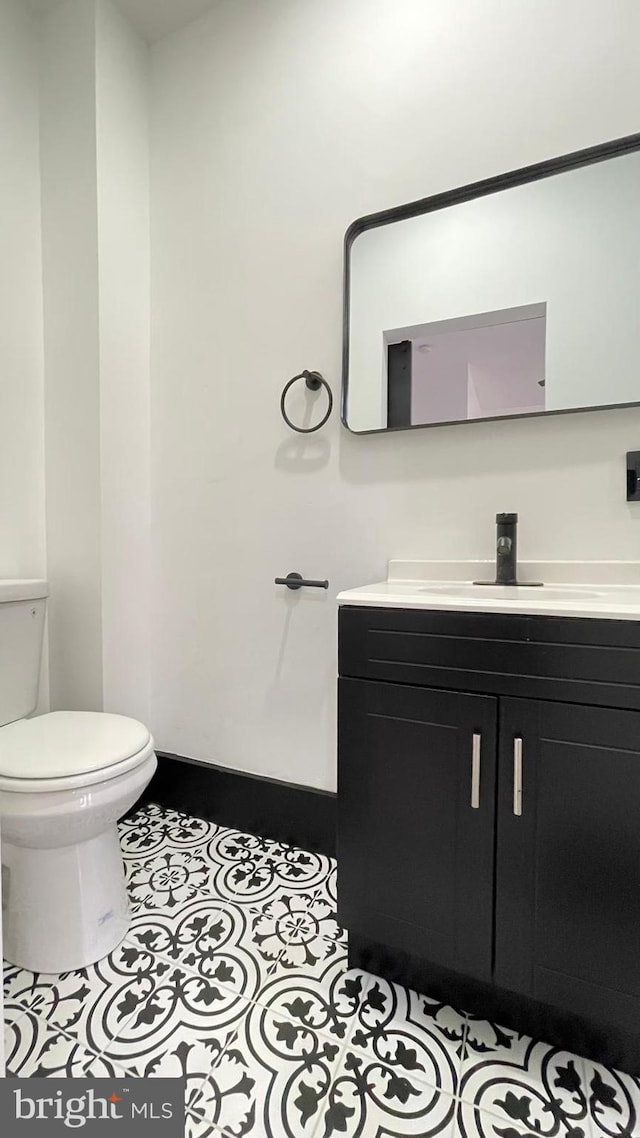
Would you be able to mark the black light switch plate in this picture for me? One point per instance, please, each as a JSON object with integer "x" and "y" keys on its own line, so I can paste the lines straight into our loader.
{"x": 633, "y": 476}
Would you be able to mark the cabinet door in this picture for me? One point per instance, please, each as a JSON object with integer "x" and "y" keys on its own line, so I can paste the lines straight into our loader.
{"x": 415, "y": 827}
{"x": 568, "y": 866}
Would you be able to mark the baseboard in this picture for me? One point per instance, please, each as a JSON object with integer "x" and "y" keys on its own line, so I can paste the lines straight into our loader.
{"x": 299, "y": 815}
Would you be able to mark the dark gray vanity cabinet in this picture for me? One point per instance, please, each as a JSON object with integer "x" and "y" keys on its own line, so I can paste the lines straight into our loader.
{"x": 417, "y": 820}
{"x": 489, "y": 816}
{"x": 568, "y": 867}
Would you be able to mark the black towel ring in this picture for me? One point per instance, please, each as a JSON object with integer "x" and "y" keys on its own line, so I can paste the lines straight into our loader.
{"x": 314, "y": 381}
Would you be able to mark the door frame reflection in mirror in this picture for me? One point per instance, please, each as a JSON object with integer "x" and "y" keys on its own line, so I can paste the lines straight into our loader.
{"x": 478, "y": 353}
{"x": 575, "y": 160}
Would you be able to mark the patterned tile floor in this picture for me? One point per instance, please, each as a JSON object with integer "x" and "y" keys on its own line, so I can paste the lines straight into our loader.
{"x": 234, "y": 974}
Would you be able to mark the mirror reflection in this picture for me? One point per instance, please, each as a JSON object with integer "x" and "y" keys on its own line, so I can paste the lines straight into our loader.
{"x": 522, "y": 301}
{"x": 470, "y": 367}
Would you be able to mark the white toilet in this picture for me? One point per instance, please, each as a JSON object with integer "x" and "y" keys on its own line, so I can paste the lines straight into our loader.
{"x": 65, "y": 779}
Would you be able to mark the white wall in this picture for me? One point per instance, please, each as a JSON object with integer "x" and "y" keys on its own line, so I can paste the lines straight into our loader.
{"x": 95, "y": 225}
{"x": 124, "y": 298}
{"x": 274, "y": 126}
{"x": 22, "y": 544}
{"x": 71, "y": 342}
{"x": 22, "y": 523}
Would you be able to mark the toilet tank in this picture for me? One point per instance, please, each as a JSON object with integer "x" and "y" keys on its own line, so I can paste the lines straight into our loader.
{"x": 22, "y": 612}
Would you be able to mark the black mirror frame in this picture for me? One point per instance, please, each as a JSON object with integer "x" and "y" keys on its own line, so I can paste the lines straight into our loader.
{"x": 592, "y": 154}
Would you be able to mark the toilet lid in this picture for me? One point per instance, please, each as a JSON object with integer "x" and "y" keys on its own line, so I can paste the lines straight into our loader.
{"x": 63, "y": 743}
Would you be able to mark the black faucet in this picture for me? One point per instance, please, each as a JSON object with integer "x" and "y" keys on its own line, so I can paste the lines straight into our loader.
{"x": 507, "y": 553}
{"x": 506, "y": 549}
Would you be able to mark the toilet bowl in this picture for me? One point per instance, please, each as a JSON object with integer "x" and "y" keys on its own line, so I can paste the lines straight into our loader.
{"x": 66, "y": 777}
{"x": 65, "y": 780}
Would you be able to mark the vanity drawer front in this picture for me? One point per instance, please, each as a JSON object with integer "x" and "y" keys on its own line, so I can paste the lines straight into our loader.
{"x": 553, "y": 658}
{"x": 587, "y": 661}
{"x": 434, "y": 649}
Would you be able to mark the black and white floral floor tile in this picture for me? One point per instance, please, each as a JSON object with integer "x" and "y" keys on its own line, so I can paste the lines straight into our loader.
{"x": 172, "y": 857}
{"x": 367, "y": 1097}
{"x": 613, "y": 1102}
{"x": 271, "y": 1080}
{"x": 197, "y": 1128}
{"x": 92, "y": 1005}
{"x": 247, "y": 874}
{"x": 413, "y": 1036}
{"x": 326, "y": 894}
{"x": 234, "y": 975}
{"x": 511, "y": 1084}
{"x": 324, "y": 998}
{"x": 35, "y": 1050}
{"x": 183, "y": 1008}
{"x": 224, "y": 944}
{"x": 537, "y": 1092}
{"x": 299, "y": 923}
{"x": 154, "y": 829}
{"x": 168, "y": 878}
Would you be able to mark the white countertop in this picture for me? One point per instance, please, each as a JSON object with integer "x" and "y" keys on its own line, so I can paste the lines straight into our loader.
{"x": 604, "y": 590}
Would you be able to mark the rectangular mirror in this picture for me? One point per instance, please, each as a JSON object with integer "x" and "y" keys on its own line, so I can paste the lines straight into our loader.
{"x": 519, "y": 295}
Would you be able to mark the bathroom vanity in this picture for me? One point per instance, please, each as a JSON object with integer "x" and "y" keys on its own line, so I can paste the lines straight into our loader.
{"x": 489, "y": 795}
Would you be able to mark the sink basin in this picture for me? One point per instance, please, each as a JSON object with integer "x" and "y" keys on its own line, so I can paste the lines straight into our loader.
{"x": 512, "y": 592}
{"x": 599, "y": 590}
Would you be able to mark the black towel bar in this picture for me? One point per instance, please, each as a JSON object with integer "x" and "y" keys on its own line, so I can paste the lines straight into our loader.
{"x": 297, "y": 581}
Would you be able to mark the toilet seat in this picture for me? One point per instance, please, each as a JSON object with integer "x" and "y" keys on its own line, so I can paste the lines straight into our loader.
{"x": 64, "y": 750}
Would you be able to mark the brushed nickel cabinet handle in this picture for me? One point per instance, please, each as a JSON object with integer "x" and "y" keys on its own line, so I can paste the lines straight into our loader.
{"x": 475, "y": 772}
{"x": 517, "y": 777}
